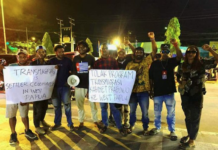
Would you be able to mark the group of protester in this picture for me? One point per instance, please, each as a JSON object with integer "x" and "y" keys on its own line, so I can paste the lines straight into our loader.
{"x": 154, "y": 79}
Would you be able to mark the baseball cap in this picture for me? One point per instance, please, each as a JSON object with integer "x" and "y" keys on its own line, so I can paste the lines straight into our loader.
{"x": 23, "y": 51}
{"x": 40, "y": 47}
{"x": 165, "y": 46}
{"x": 121, "y": 50}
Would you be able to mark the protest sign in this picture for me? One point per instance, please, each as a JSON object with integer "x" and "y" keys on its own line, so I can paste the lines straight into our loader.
{"x": 111, "y": 86}
{"x": 29, "y": 83}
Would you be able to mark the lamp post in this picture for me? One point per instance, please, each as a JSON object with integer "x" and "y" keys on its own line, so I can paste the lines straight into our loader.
{"x": 3, "y": 24}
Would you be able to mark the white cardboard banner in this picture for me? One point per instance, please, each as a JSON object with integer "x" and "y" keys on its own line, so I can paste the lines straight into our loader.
{"x": 29, "y": 83}
{"x": 111, "y": 86}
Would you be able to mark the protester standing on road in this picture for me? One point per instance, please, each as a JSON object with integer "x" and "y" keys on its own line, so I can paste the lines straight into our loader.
{"x": 192, "y": 74}
{"x": 109, "y": 63}
{"x": 11, "y": 109}
{"x": 81, "y": 65}
{"x": 141, "y": 88}
{"x": 163, "y": 87}
{"x": 40, "y": 107}
{"x": 61, "y": 92}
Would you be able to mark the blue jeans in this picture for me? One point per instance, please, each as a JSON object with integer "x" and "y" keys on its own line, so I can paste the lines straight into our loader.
{"x": 62, "y": 94}
{"x": 115, "y": 112}
{"x": 143, "y": 100}
{"x": 170, "y": 105}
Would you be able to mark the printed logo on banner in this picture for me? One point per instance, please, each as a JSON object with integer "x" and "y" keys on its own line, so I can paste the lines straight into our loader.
{"x": 82, "y": 67}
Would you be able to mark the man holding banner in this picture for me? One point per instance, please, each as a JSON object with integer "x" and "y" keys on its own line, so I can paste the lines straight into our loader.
{"x": 109, "y": 63}
{"x": 40, "y": 107}
{"x": 11, "y": 109}
{"x": 61, "y": 92}
{"x": 81, "y": 65}
{"x": 141, "y": 89}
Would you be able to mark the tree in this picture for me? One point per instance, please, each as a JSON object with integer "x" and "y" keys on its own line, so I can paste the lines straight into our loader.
{"x": 173, "y": 32}
{"x": 46, "y": 41}
{"x": 90, "y": 45}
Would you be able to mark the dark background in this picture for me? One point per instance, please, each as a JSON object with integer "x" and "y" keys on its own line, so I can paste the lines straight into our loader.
{"x": 102, "y": 20}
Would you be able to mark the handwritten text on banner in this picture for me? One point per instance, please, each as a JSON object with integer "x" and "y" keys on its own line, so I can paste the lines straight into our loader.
{"x": 29, "y": 83}
{"x": 111, "y": 86}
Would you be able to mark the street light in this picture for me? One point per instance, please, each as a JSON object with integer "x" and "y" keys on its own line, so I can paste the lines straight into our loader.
{"x": 116, "y": 42}
{"x": 3, "y": 24}
{"x": 33, "y": 38}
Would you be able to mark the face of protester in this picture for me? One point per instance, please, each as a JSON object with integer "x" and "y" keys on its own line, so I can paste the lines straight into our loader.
{"x": 60, "y": 53}
{"x": 139, "y": 54}
{"x": 104, "y": 52}
{"x": 121, "y": 56}
{"x": 41, "y": 53}
{"x": 191, "y": 53}
{"x": 22, "y": 59}
{"x": 82, "y": 49}
{"x": 165, "y": 53}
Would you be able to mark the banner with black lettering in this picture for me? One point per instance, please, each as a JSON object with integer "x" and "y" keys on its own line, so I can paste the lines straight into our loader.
{"x": 111, "y": 86}
{"x": 29, "y": 83}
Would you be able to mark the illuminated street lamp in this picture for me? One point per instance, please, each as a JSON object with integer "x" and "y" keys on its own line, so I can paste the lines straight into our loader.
{"x": 116, "y": 41}
{"x": 33, "y": 38}
{"x": 3, "y": 24}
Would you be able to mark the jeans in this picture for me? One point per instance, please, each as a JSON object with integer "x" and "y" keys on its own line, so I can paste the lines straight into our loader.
{"x": 62, "y": 94}
{"x": 192, "y": 106}
{"x": 143, "y": 100}
{"x": 115, "y": 112}
{"x": 39, "y": 111}
{"x": 170, "y": 105}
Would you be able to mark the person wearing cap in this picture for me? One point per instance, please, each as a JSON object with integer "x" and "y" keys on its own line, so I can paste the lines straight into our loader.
{"x": 40, "y": 107}
{"x": 141, "y": 88}
{"x": 11, "y": 109}
{"x": 81, "y": 65}
{"x": 109, "y": 63}
{"x": 61, "y": 92}
{"x": 163, "y": 87}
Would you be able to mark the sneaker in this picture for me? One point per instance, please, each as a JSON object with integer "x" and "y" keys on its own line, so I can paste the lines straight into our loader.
{"x": 72, "y": 128}
{"x": 44, "y": 124}
{"x": 154, "y": 131}
{"x": 30, "y": 134}
{"x": 55, "y": 127}
{"x": 13, "y": 139}
{"x": 129, "y": 131}
{"x": 40, "y": 130}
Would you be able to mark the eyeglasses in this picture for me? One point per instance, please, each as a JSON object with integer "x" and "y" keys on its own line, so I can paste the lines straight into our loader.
{"x": 191, "y": 52}
{"x": 165, "y": 51}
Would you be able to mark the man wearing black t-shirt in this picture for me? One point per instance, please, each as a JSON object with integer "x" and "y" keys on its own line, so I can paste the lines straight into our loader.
{"x": 123, "y": 60}
{"x": 61, "y": 92}
{"x": 81, "y": 65}
{"x": 161, "y": 76}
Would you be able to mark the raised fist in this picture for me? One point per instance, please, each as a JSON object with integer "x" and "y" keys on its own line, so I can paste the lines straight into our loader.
{"x": 206, "y": 47}
{"x": 151, "y": 35}
{"x": 127, "y": 42}
{"x": 173, "y": 41}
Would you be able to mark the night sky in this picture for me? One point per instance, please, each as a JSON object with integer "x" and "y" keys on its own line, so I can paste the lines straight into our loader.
{"x": 104, "y": 19}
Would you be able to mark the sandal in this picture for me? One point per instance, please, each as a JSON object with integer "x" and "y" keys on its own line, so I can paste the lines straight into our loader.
{"x": 154, "y": 131}
{"x": 103, "y": 129}
{"x": 184, "y": 139}
{"x": 186, "y": 145}
{"x": 173, "y": 136}
{"x": 146, "y": 132}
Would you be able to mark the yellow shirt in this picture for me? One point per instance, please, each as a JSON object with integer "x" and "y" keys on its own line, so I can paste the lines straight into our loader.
{"x": 142, "y": 74}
